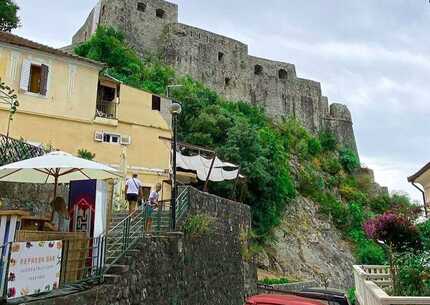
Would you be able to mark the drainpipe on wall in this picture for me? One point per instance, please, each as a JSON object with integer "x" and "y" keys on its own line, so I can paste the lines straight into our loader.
{"x": 424, "y": 197}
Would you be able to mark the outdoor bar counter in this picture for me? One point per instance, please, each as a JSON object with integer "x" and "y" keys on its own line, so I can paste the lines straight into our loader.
{"x": 30, "y": 228}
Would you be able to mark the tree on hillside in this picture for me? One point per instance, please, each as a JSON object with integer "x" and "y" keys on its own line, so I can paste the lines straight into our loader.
{"x": 9, "y": 19}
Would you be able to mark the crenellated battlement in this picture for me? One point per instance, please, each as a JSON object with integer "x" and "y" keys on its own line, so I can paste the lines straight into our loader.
{"x": 222, "y": 63}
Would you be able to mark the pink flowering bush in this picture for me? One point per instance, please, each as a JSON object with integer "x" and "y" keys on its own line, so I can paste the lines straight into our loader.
{"x": 394, "y": 230}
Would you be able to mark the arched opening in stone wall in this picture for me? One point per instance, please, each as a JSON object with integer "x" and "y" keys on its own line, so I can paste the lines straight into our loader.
{"x": 258, "y": 70}
{"x": 160, "y": 13}
{"x": 103, "y": 10}
{"x": 220, "y": 56}
{"x": 141, "y": 6}
{"x": 283, "y": 74}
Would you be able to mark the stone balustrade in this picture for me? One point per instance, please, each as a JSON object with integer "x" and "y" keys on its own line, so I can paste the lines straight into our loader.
{"x": 370, "y": 282}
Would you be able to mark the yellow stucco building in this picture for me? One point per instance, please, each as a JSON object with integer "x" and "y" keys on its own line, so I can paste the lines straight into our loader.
{"x": 64, "y": 102}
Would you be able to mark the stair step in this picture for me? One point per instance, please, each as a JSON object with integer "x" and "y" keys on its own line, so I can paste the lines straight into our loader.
{"x": 118, "y": 269}
{"x": 111, "y": 279}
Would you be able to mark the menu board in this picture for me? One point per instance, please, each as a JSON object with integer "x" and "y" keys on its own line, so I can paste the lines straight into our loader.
{"x": 34, "y": 267}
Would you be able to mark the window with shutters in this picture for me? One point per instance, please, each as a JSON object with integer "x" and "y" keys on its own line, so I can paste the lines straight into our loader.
{"x": 34, "y": 78}
{"x": 156, "y": 103}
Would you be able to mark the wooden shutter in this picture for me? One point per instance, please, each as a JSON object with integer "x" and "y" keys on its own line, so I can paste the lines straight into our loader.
{"x": 25, "y": 75}
{"x": 98, "y": 136}
{"x": 44, "y": 80}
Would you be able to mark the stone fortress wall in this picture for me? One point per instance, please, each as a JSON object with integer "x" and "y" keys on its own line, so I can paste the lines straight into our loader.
{"x": 222, "y": 63}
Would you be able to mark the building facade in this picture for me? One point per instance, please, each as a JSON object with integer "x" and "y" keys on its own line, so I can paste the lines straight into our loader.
{"x": 222, "y": 63}
{"x": 66, "y": 103}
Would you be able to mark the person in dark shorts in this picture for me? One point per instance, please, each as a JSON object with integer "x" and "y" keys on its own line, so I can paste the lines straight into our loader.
{"x": 133, "y": 192}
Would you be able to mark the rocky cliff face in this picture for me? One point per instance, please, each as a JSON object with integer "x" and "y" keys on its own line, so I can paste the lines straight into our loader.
{"x": 309, "y": 248}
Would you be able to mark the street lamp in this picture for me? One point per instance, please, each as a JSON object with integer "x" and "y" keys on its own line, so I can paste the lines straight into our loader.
{"x": 175, "y": 109}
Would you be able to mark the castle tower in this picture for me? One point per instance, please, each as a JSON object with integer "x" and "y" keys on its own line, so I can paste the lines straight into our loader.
{"x": 142, "y": 21}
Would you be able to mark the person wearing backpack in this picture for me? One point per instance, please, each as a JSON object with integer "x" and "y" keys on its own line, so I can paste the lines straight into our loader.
{"x": 133, "y": 192}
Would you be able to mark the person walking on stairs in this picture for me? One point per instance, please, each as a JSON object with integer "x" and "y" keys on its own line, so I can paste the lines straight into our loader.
{"x": 133, "y": 192}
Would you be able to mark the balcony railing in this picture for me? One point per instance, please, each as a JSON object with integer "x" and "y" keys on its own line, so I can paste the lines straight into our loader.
{"x": 370, "y": 282}
{"x": 106, "y": 109}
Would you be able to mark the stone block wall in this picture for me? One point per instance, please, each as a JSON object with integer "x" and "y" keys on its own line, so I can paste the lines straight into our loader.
{"x": 219, "y": 62}
{"x": 34, "y": 198}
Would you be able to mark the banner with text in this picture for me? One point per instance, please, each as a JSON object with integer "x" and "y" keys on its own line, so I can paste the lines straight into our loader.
{"x": 34, "y": 267}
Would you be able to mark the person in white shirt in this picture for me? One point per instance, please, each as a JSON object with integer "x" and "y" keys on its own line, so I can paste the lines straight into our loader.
{"x": 151, "y": 206}
{"x": 133, "y": 192}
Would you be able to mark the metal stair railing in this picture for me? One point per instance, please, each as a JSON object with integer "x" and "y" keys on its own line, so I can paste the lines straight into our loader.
{"x": 124, "y": 235}
{"x": 182, "y": 204}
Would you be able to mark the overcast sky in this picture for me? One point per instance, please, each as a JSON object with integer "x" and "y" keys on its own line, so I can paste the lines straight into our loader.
{"x": 372, "y": 55}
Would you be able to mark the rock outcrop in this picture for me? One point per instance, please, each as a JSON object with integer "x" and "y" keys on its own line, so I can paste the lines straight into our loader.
{"x": 309, "y": 248}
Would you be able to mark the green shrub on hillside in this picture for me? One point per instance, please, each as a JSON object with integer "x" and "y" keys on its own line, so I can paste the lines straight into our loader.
{"x": 413, "y": 274}
{"x": 349, "y": 160}
{"x": 328, "y": 141}
{"x": 424, "y": 230}
{"x": 331, "y": 165}
{"x": 199, "y": 225}
{"x": 369, "y": 253}
{"x": 314, "y": 146}
{"x": 279, "y": 281}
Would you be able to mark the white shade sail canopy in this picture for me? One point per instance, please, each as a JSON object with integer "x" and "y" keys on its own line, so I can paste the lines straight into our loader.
{"x": 64, "y": 166}
{"x": 202, "y": 166}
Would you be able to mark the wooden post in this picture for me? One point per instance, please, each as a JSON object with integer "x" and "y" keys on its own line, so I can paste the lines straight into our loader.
{"x": 205, "y": 188}
{"x": 233, "y": 197}
{"x": 55, "y": 184}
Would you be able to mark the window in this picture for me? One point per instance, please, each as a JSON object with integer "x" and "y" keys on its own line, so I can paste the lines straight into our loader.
{"x": 106, "y": 106}
{"x": 114, "y": 138}
{"x": 141, "y": 6}
{"x": 156, "y": 103}
{"x": 283, "y": 74}
{"x": 103, "y": 10}
{"x": 258, "y": 70}
{"x": 160, "y": 13}
{"x": 111, "y": 138}
{"x": 220, "y": 56}
{"x": 34, "y": 77}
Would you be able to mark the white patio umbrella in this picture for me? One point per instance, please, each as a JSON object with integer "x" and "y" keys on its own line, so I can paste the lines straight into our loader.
{"x": 55, "y": 167}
